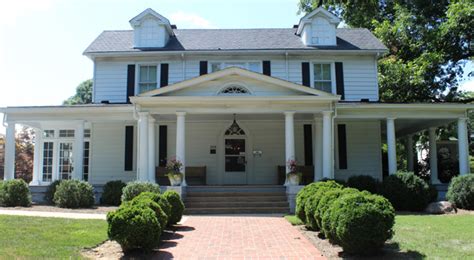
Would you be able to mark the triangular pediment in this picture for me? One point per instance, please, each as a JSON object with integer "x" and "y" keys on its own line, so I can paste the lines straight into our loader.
{"x": 237, "y": 82}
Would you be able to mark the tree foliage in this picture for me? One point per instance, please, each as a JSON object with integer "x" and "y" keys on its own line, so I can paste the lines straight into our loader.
{"x": 428, "y": 43}
{"x": 83, "y": 94}
{"x": 24, "y": 152}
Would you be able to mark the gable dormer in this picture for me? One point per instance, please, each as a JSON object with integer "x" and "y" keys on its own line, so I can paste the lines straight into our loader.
{"x": 318, "y": 28}
{"x": 150, "y": 30}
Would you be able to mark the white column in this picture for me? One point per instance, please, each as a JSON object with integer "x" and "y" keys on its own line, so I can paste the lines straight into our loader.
{"x": 151, "y": 150}
{"x": 142, "y": 171}
{"x": 78, "y": 152}
{"x": 37, "y": 158}
{"x": 181, "y": 142}
{"x": 9, "y": 172}
{"x": 463, "y": 147}
{"x": 433, "y": 155}
{"x": 327, "y": 144}
{"x": 410, "y": 161}
{"x": 289, "y": 139}
{"x": 318, "y": 149}
{"x": 392, "y": 149}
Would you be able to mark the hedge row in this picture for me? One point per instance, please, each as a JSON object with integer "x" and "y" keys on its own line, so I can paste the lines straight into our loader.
{"x": 359, "y": 221}
{"x": 461, "y": 192}
{"x": 140, "y": 220}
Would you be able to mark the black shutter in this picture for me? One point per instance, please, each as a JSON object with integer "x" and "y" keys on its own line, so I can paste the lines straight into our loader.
{"x": 202, "y": 67}
{"x": 342, "y": 146}
{"x": 128, "y": 148}
{"x": 163, "y": 147}
{"x": 130, "y": 81}
{"x": 340, "y": 79}
{"x": 305, "y": 74}
{"x": 267, "y": 70}
{"x": 164, "y": 75}
{"x": 308, "y": 145}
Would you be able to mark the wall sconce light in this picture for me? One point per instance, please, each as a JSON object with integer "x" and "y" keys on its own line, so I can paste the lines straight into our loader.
{"x": 257, "y": 153}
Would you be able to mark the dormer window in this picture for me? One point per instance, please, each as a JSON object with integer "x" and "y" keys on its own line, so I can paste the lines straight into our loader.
{"x": 318, "y": 28}
{"x": 151, "y": 30}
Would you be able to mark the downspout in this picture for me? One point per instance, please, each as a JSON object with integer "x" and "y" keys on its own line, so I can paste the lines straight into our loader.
{"x": 184, "y": 66}
{"x": 334, "y": 109}
{"x": 287, "y": 67}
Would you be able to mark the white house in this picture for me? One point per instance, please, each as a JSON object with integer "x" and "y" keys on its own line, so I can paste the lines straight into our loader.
{"x": 240, "y": 102}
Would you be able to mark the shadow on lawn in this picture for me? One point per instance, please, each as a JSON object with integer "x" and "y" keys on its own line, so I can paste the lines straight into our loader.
{"x": 390, "y": 251}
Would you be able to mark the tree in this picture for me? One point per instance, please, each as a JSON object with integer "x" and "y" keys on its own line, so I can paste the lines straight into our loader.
{"x": 83, "y": 94}
{"x": 24, "y": 152}
{"x": 428, "y": 43}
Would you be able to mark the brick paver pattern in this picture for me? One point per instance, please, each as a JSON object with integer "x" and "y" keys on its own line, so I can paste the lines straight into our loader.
{"x": 237, "y": 237}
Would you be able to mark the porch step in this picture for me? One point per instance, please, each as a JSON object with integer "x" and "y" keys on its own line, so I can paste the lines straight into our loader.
{"x": 236, "y": 200}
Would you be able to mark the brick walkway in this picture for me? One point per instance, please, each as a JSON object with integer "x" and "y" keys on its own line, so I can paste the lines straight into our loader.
{"x": 237, "y": 237}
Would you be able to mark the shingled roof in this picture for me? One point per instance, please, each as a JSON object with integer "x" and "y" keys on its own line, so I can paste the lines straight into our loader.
{"x": 235, "y": 40}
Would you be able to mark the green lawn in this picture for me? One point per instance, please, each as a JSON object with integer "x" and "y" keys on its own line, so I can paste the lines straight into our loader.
{"x": 35, "y": 237}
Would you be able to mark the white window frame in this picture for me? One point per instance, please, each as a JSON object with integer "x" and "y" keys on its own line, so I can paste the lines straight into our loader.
{"x": 333, "y": 73}
{"x": 137, "y": 74}
{"x": 247, "y": 63}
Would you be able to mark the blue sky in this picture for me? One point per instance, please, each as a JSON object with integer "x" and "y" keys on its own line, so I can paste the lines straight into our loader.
{"x": 41, "y": 41}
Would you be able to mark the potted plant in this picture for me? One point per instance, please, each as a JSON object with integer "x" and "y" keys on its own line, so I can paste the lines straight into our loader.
{"x": 293, "y": 176}
{"x": 174, "y": 174}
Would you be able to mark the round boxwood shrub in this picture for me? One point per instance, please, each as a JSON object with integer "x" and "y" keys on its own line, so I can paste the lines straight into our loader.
{"x": 15, "y": 193}
{"x": 133, "y": 189}
{"x": 158, "y": 198}
{"x": 363, "y": 182}
{"x": 112, "y": 193}
{"x": 134, "y": 227}
{"x": 363, "y": 222}
{"x": 304, "y": 194}
{"x": 326, "y": 201}
{"x": 49, "y": 194}
{"x": 406, "y": 191}
{"x": 141, "y": 201}
{"x": 313, "y": 200}
{"x": 177, "y": 206}
{"x": 74, "y": 194}
{"x": 461, "y": 191}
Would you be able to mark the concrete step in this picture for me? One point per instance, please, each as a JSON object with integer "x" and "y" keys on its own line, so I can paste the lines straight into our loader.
{"x": 246, "y": 210}
{"x": 232, "y": 194}
{"x": 235, "y": 198}
{"x": 247, "y": 204}
{"x": 253, "y": 188}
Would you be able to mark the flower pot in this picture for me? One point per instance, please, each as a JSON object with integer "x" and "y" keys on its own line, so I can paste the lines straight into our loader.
{"x": 294, "y": 179}
{"x": 175, "y": 179}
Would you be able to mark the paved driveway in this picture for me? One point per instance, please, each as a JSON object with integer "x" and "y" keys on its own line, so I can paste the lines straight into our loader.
{"x": 237, "y": 237}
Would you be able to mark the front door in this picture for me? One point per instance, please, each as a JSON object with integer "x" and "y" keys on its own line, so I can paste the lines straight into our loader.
{"x": 235, "y": 161}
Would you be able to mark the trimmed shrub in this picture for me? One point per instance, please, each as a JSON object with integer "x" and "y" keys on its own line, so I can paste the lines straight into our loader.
{"x": 112, "y": 193}
{"x": 142, "y": 201}
{"x": 133, "y": 189}
{"x": 74, "y": 194}
{"x": 313, "y": 200}
{"x": 158, "y": 198}
{"x": 134, "y": 227}
{"x": 363, "y": 222}
{"x": 15, "y": 193}
{"x": 406, "y": 191}
{"x": 304, "y": 194}
{"x": 461, "y": 191}
{"x": 49, "y": 194}
{"x": 363, "y": 182}
{"x": 177, "y": 206}
{"x": 325, "y": 203}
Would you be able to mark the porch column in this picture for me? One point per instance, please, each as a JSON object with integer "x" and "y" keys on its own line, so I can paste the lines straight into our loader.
{"x": 318, "y": 149}
{"x": 79, "y": 152}
{"x": 151, "y": 150}
{"x": 410, "y": 161}
{"x": 142, "y": 171}
{"x": 433, "y": 155}
{"x": 289, "y": 139}
{"x": 9, "y": 172}
{"x": 37, "y": 158}
{"x": 181, "y": 142}
{"x": 392, "y": 149}
{"x": 327, "y": 145}
{"x": 463, "y": 147}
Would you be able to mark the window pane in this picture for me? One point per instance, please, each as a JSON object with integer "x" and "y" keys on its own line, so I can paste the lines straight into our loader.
{"x": 66, "y": 133}
{"x": 326, "y": 71}
{"x": 148, "y": 74}
{"x": 317, "y": 72}
{"x": 65, "y": 161}
{"x": 215, "y": 67}
{"x": 87, "y": 133}
{"x": 143, "y": 73}
{"x": 47, "y": 161}
{"x": 323, "y": 85}
{"x": 152, "y": 74}
{"x": 48, "y": 133}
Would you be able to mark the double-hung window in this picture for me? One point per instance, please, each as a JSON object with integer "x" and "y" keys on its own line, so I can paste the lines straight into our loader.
{"x": 147, "y": 79}
{"x": 322, "y": 78}
{"x": 254, "y": 66}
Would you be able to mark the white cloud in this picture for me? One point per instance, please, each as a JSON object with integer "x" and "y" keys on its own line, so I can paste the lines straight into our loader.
{"x": 189, "y": 20}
